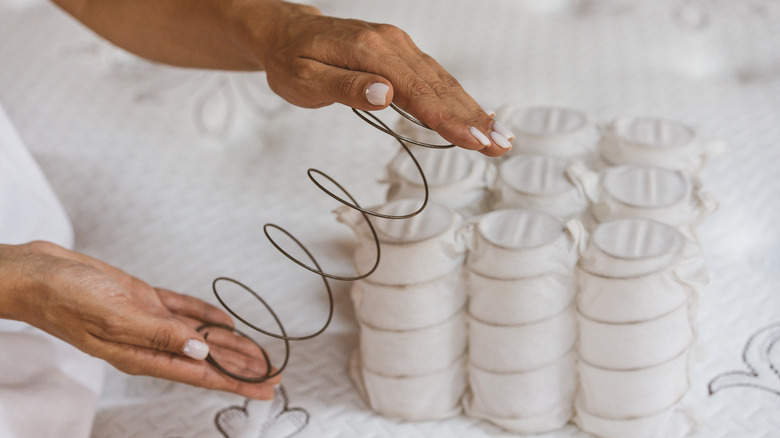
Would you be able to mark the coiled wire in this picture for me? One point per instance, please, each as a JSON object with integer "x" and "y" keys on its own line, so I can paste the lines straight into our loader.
{"x": 345, "y": 199}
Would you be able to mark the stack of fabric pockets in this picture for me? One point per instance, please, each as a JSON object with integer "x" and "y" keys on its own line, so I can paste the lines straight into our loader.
{"x": 410, "y": 362}
{"x": 521, "y": 319}
{"x": 638, "y": 286}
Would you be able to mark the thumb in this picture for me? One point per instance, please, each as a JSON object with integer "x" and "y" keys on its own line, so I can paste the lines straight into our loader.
{"x": 365, "y": 91}
{"x": 163, "y": 333}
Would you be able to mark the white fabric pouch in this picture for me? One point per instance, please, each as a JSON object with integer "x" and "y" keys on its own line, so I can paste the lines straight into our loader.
{"x": 640, "y": 298}
{"x": 519, "y": 301}
{"x": 457, "y": 178}
{"x": 415, "y": 250}
{"x": 657, "y": 142}
{"x": 635, "y": 345}
{"x": 669, "y": 196}
{"x": 625, "y": 394}
{"x": 409, "y": 307}
{"x": 657, "y": 425}
{"x": 539, "y": 182}
{"x": 432, "y": 396}
{"x": 559, "y": 132}
{"x": 518, "y": 243}
{"x": 516, "y": 348}
{"x": 534, "y": 401}
{"x": 413, "y": 352}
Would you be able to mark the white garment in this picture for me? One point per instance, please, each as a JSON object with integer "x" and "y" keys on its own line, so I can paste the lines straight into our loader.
{"x": 29, "y": 209}
{"x": 47, "y": 387}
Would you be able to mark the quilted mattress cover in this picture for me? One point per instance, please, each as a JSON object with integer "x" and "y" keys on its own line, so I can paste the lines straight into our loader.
{"x": 170, "y": 174}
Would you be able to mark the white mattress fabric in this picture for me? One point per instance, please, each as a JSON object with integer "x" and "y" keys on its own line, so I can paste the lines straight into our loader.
{"x": 170, "y": 174}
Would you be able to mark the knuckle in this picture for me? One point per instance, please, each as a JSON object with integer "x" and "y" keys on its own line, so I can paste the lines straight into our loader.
{"x": 437, "y": 120}
{"x": 392, "y": 32}
{"x": 41, "y": 247}
{"x": 304, "y": 71}
{"x": 109, "y": 329}
{"x": 441, "y": 89}
{"x": 369, "y": 38}
{"x": 348, "y": 85}
{"x": 450, "y": 81}
{"x": 162, "y": 339}
{"x": 419, "y": 88}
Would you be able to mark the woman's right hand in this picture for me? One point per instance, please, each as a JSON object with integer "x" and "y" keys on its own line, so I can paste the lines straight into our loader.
{"x": 313, "y": 60}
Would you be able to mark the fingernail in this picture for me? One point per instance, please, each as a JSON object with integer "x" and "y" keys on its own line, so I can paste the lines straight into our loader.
{"x": 503, "y": 131}
{"x": 196, "y": 349}
{"x": 376, "y": 93}
{"x": 479, "y": 136}
{"x": 500, "y": 140}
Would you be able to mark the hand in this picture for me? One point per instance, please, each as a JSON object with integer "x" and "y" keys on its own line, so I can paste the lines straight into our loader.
{"x": 313, "y": 60}
{"x": 114, "y": 316}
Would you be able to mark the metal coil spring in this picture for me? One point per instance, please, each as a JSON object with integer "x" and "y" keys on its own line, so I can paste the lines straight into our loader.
{"x": 345, "y": 199}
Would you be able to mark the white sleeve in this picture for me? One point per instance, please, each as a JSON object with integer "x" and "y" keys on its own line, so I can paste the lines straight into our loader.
{"x": 29, "y": 209}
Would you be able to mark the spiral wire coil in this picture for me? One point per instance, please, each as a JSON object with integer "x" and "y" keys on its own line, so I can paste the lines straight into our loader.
{"x": 345, "y": 199}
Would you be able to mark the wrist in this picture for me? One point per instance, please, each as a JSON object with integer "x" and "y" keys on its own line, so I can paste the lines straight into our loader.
{"x": 260, "y": 26}
{"x": 12, "y": 280}
{"x": 19, "y": 279}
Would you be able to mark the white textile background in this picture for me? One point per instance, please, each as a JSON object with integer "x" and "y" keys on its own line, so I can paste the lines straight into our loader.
{"x": 130, "y": 149}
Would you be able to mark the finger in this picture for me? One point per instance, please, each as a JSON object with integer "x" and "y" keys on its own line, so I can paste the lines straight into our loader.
{"x": 218, "y": 337}
{"x": 142, "y": 361}
{"x": 253, "y": 366}
{"x": 430, "y": 100}
{"x": 449, "y": 110}
{"x": 499, "y": 136}
{"x": 323, "y": 84}
{"x": 427, "y": 91}
{"x": 192, "y": 307}
{"x": 129, "y": 325}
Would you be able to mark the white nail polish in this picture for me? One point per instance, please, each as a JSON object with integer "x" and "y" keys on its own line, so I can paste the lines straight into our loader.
{"x": 500, "y": 140}
{"x": 196, "y": 349}
{"x": 376, "y": 93}
{"x": 503, "y": 131}
{"x": 482, "y": 138}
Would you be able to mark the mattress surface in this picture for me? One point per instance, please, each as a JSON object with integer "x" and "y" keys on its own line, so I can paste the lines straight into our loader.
{"x": 170, "y": 175}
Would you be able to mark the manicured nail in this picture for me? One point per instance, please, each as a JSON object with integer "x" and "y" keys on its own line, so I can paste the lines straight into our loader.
{"x": 500, "y": 140}
{"x": 196, "y": 349}
{"x": 376, "y": 93}
{"x": 503, "y": 131}
{"x": 479, "y": 136}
